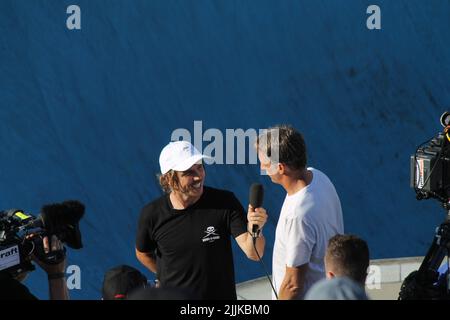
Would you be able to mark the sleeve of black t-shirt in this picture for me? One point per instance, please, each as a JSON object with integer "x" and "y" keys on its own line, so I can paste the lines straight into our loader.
{"x": 144, "y": 240}
{"x": 238, "y": 217}
{"x": 12, "y": 289}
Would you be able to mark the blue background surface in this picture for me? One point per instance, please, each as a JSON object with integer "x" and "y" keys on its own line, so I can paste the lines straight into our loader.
{"x": 85, "y": 113}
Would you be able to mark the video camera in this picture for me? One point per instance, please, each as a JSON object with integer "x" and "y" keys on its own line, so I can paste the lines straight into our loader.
{"x": 21, "y": 235}
{"x": 430, "y": 178}
{"x": 430, "y": 166}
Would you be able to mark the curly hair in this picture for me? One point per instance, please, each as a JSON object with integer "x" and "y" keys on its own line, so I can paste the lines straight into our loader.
{"x": 169, "y": 181}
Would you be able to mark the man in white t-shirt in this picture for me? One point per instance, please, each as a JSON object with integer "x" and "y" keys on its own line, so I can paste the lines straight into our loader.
{"x": 310, "y": 216}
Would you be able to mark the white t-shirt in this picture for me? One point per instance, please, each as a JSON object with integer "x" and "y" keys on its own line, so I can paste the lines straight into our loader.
{"x": 308, "y": 219}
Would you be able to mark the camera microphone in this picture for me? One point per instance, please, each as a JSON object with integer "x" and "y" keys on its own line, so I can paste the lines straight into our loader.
{"x": 62, "y": 219}
{"x": 256, "y": 200}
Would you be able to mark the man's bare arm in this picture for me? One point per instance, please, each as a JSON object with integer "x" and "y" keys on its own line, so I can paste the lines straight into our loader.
{"x": 245, "y": 242}
{"x": 147, "y": 259}
{"x": 56, "y": 272}
{"x": 293, "y": 282}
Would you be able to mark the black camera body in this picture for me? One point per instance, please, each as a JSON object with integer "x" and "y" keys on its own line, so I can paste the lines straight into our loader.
{"x": 21, "y": 235}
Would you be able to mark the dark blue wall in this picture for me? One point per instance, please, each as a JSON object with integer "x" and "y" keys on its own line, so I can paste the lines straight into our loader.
{"x": 84, "y": 114}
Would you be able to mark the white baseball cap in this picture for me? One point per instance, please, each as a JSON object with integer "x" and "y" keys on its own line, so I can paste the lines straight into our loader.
{"x": 179, "y": 156}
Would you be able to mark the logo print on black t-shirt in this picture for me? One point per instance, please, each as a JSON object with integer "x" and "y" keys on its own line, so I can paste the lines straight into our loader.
{"x": 211, "y": 235}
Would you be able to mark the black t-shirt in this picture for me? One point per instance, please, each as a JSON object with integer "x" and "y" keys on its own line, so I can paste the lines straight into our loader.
{"x": 193, "y": 246}
{"x": 11, "y": 289}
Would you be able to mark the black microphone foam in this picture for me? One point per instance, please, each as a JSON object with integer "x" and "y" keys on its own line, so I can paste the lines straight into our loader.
{"x": 256, "y": 199}
{"x": 62, "y": 219}
{"x": 58, "y": 214}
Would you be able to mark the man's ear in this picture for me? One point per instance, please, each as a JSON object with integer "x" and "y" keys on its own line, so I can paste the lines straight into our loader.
{"x": 330, "y": 275}
{"x": 281, "y": 168}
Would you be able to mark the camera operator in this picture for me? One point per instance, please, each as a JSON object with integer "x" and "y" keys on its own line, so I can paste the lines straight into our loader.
{"x": 11, "y": 287}
{"x": 430, "y": 174}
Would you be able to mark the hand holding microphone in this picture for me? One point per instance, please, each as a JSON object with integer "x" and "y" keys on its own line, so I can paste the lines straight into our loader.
{"x": 257, "y": 215}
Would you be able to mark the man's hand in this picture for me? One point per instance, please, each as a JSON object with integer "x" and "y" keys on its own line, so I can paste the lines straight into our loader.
{"x": 256, "y": 216}
{"x": 246, "y": 241}
{"x": 56, "y": 272}
{"x": 54, "y": 245}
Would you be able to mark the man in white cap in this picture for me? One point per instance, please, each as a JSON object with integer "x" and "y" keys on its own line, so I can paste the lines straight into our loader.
{"x": 184, "y": 236}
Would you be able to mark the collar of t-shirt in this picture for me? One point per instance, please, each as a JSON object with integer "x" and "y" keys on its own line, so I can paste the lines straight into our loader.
{"x": 192, "y": 206}
{"x": 294, "y": 196}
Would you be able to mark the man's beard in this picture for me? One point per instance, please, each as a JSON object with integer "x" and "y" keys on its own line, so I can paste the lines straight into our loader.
{"x": 192, "y": 189}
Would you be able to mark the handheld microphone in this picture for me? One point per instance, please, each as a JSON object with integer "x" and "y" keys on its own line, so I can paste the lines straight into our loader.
{"x": 256, "y": 200}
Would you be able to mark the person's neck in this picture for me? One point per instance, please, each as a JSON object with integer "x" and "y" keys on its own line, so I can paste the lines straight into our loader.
{"x": 181, "y": 201}
{"x": 294, "y": 183}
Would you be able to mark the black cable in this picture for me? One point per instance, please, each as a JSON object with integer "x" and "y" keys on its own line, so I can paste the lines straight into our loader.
{"x": 264, "y": 266}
